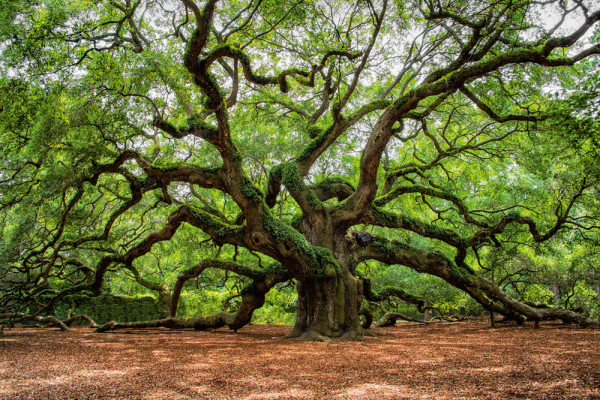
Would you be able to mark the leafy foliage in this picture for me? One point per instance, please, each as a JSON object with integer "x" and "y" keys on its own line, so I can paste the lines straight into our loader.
{"x": 214, "y": 150}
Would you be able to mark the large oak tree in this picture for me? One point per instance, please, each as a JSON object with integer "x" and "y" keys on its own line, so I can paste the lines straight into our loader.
{"x": 312, "y": 136}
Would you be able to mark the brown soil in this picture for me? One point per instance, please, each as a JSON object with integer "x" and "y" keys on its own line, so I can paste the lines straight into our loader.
{"x": 438, "y": 361}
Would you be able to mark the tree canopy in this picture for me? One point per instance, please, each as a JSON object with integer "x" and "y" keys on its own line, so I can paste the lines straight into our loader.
{"x": 315, "y": 145}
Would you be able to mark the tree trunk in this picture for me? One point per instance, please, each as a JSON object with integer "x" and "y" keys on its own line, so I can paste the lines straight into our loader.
{"x": 556, "y": 292}
{"x": 427, "y": 313}
{"x": 328, "y": 308}
{"x": 329, "y": 300}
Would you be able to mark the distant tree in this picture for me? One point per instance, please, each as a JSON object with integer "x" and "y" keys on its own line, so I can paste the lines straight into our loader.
{"x": 299, "y": 138}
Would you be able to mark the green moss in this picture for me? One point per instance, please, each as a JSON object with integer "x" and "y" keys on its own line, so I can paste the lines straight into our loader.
{"x": 313, "y": 144}
{"x": 403, "y": 99}
{"x": 313, "y": 200}
{"x": 437, "y": 74}
{"x": 324, "y": 257}
{"x": 334, "y": 179}
{"x": 285, "y": 233}
{"x": 195, "y": 122}
{"x": 385, "y": 216}
{"x": 460, "y": 273}
{"x": 327, "y": 184}
{"x": 388, "y": 248}
{"x": 290, "y": 176}
{"x": 250, "y": 191}
{"x": 213, "y": 225}
{"x": 314, "y": 131}
{"x": 318, "y": 257}
{"x": 276, "y": 172}
{"x": 276, "y": 268}
{"x": 191, "y": 42}
{"x": 367, "y": 108}
{"x": 297, "y": 220}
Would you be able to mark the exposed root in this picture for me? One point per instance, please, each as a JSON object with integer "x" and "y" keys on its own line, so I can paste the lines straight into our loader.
{"x": 308, "y": 336}
{"x": 294, "y": 334}
{"x": 371, "y": 333}
{"x": 313, "y": 336}
{"x": 353, "y": 336}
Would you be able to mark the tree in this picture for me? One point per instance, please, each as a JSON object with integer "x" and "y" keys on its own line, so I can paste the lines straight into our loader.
{"x": 301, "y": 139}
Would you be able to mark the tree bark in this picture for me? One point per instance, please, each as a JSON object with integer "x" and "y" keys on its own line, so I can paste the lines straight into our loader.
{"x": 427, "y": 313}
{"x": 328, "y": 307}
{"x": 390, "y": 319}
{"x": 556, "y": 292}
{"x": 329, "y": 300}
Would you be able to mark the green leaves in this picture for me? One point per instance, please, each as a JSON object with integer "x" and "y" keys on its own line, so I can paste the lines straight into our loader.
{"x": 461, "y": 116}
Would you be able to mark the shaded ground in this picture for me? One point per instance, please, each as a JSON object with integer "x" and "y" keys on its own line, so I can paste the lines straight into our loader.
{"x": 438, "y": 361}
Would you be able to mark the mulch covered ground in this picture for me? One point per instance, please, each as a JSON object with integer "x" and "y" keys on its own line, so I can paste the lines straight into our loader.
{"x": 465, "y": 360}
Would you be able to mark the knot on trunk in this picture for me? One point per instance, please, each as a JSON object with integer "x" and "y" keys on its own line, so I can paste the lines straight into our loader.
{"x": 363, "y": 238}
{"x": 257, "y": 239}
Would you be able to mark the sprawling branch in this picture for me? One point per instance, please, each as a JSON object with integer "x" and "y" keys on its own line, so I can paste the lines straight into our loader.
{"x": 333, "y": 188}
{"x": 486, "y": 292}
{"x": 391, "y": 291}
{"x": 440, "y": 194}
{"x": 253, "y": 297}
{"x": 388, "y": 219}
{"x": 219, "y": 231}
{"x": 435, "y": 263}
{"x": 561, "y": 220}
{"x": 495, "y": 116}
{"x": 451, "y": 81}
{"x": 50, "y": 320}
{"x": 269, "y": 276}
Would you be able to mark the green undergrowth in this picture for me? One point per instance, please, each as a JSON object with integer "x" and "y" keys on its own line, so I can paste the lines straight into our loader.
{"x": 110, "y": 307}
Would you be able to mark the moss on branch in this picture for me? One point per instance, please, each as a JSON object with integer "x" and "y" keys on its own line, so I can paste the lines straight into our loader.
{"x": 388, "y": 219}
{"x": 292, "y": 244}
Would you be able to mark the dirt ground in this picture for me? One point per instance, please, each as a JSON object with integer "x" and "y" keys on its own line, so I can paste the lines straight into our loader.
{"x": 465, "y": 360}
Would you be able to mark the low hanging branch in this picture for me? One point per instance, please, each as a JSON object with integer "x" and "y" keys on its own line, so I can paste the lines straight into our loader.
{"x": 253, "y": 297}
{"x": 387, "y": 292}
{"x": 390, "y": 318}
{"x": 484, "y": 291}
{"x": 50, "y": 320}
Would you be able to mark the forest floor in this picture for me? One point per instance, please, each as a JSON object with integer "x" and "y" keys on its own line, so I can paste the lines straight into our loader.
{"x": 464, "y": 360}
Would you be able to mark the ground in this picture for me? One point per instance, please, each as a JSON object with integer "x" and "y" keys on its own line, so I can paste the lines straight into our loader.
{"x": 465, "y": 360}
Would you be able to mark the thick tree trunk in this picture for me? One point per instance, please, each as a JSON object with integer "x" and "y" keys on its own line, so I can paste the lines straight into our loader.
{"x": 328, "y": 308}
{"x": 329, "y": 300}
